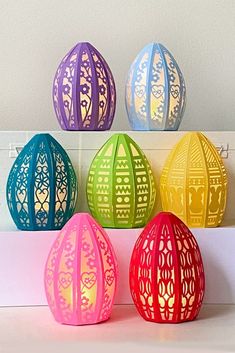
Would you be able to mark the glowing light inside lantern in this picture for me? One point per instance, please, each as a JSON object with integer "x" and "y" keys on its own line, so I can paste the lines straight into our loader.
{"x": 80, "y": 288}
{"x": 155, "y": 90}
{"x": 120, "y": 186}
{"x": 42, "y": 185}
{"x": 193, "y": 183}
{"x": 166, "y": 271}
{"x": 84, "y": 92}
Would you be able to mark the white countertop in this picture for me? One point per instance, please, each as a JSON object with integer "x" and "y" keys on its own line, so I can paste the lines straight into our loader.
{"x": 33, "y": 330}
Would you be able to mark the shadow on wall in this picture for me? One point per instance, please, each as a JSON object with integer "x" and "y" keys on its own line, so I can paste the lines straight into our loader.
{"x": 230, "y": 211}
{"x": 157, "y": 170}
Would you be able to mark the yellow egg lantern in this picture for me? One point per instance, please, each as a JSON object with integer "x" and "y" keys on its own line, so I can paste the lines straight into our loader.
{"x": 193, "y": 183}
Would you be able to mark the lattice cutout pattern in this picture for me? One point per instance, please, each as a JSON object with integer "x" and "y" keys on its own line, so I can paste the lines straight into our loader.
{"x": 155, "y": 90}
{"x": 81, "y": 273}
{"x": 194, "y": 182}
{"x": 42, "y": 185}
{"x": 166, "y": 272}
{"x": 120, "y": 185}
{"x": 84, "y": 92}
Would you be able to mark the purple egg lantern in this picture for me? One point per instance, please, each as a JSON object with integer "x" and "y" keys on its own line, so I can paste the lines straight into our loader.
{"x": 84, "y": 92}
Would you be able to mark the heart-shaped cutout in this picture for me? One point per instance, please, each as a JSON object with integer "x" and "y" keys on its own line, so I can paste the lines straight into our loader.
{"x": 157, "y": 90}
{"x": 175, "y": 91}
{"x": 65, "y": 279}
{"x": 62, "y": 194}
{"x": 21, "y": 195}
{"x": 88, "y": 279}
{"x": 140, "y": 90}
{"x": 109, "y": 276}
{"x": 42, "y": 195}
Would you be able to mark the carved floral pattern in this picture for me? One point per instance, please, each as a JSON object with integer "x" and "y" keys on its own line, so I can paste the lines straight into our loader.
{"x": 81, "y": 273}
{"x": 42, "y": 185}
{"x": 155, "y": 90}
{"x": 84, "y": 92}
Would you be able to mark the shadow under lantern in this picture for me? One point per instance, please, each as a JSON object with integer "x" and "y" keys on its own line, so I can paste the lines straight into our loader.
{"x": 120, "y": 186}
{"x": 193, "y": 183}
{"x": 84, "y": 94}
{"x": 155, "y": 90}
{"x": 167, "y": 278}
{"x": 81, "y": 273}
{"x": 42, "y": 186}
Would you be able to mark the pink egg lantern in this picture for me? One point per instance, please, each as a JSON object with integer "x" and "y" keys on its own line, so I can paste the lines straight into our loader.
{"x": 81, "y": 273}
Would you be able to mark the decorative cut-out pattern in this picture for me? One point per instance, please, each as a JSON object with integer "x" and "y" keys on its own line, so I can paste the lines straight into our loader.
{"x": 84, "y": 92}
{"x": 81, "y": 273}
{"x": 194, "y": 182}
{"x": 42, "y": 185}
{"x": 166, "y": 272}
{"x": 155, "y": 90}
{"x": 120, "y": 186}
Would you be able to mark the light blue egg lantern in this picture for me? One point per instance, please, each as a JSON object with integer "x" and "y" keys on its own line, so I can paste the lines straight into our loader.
{"x": 42, "y": 186}
{"x": 155, "y": 90}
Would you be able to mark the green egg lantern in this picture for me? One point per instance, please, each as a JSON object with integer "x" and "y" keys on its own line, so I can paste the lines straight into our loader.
{"x": 120, "y": 186}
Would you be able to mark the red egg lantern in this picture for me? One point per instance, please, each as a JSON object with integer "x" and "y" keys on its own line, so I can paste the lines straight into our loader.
{"x": 166, "y": 271}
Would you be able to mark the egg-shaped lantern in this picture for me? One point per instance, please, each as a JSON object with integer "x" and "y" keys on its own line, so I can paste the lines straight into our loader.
{"x": 81, "y": 273}
{"x": 193, "y": 183}
{"x": 166, "y": 271}
{"x": 84, "y": 92}
{"x": 42, "y": 185}
{"x": 120, "y": 186}
{"x": 155, "y": 90}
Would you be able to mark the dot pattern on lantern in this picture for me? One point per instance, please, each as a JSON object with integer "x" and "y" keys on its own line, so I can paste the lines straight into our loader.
{"x": 155, "y": 90}
{"x": 166, "y": 272}
{"x": 120, "y": 186}
{"x": 42, "y": 185}
{"x": 194, "y": 182}
{"x": 84, "y": 92}
{"x": 81, "y": 273}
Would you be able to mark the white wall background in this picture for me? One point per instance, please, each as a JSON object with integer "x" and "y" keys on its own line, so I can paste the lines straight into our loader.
{"x": 35, "y": 35}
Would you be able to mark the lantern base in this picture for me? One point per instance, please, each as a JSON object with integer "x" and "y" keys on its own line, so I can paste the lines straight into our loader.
{"x": 88, "y": 130}
{"x": 82, "y": 323}
{"x": 169, "y": 321}
{"x": 156, "y": 130}
{"x": 37, "y": 229}
{"x": 116, "y": 226}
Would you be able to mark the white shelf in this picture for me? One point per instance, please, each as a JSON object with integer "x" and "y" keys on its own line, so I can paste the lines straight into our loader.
{"x": 23, "y": 256}
{"x": 33, "y": 330}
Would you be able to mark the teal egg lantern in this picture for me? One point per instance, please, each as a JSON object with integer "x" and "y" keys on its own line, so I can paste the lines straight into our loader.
{"x": 155, "y": 90}
{"x": 42, "y": 186}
